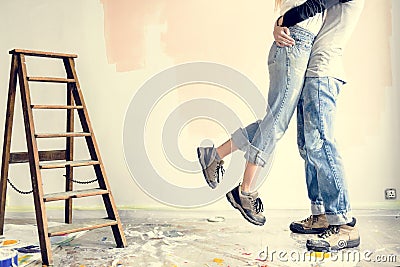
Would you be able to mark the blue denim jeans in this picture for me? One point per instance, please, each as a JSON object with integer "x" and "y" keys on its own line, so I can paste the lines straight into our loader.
{"x": 287, "y": 67}
{"x": 325, "y": 176}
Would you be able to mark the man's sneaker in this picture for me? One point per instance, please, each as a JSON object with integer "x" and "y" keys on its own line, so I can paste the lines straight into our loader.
{"x": 315, "y": 224}
{"x": 211, "y": 165}
{"x": 249, "y": 205}
{"x": 336, "y": 237}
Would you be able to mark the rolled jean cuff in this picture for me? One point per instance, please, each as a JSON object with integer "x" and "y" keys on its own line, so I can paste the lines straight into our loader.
{"x": 317, "y": 208}
{"x": 256, "y": 156}
{"x": 240, "y": 139}
{"x": 339, "y": 218}
{"x": 252, "y": 154}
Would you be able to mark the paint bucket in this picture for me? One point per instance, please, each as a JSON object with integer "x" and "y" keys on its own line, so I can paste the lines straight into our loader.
{"x": 8, "y": 258}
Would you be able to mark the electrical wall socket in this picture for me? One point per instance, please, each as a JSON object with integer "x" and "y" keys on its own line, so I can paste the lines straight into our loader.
{"x": 390, "y": 193}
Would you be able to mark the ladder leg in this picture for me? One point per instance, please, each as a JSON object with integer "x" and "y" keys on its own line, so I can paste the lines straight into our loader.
{"x": 36, "y": 177}
{"x": 7, "y": 138}
{"x": 117, "y": 229}
{"x": 69, "y": 155}
{"x": 108, "y": 200}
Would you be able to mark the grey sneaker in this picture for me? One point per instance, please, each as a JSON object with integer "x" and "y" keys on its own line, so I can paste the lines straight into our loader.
{"x": 211, "y": 165}
{"x": 250, "y": 206}
{"x": 336, "y": 237}
{"x": 315, "y": 224}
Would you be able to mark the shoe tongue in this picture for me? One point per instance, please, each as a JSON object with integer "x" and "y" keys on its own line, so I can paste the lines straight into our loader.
{"x": 214, "y": 155}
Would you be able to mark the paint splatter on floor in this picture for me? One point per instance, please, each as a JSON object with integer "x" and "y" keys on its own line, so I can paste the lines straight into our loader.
{"x": 188, "y": 239}
{"x": 218, "y": 261}
{"x": 8, "y": 242}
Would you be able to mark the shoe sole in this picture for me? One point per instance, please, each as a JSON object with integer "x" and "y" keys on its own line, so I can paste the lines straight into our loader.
{"x": 238, "y": 207}
{"x": 349, "y": 244}
{"x": 298, "y": 230}
{"x": 202, "y": 163}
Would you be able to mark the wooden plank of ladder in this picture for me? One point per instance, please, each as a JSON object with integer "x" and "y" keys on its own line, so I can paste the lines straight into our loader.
{"x": 41, "y": 53}
{"x": 74, "y": 194}
{"x": 56, "y": 107}
{"x": 36, "y": 177}
{"x": 49, "y": 155}
{"x": 63, "y": 164}
{"x": 50, "y": 80}
{"x": 12, "y": 89}
{"x": 69, "y": 144}
{"x": 94, "y": 152}
{"x": 77, "y": 227}
{"x": 56, "y": 135}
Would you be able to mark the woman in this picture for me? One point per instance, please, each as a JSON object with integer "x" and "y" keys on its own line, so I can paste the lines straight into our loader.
{"x": 287, "y": 66}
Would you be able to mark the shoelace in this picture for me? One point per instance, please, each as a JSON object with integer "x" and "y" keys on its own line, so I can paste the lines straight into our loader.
{"x": 219, "y": 170}
{"x": 313, "y": 218}
{"x": 258, "y": 205}
{"x": 307, "y": 219}
{"x": 332, "y": 229}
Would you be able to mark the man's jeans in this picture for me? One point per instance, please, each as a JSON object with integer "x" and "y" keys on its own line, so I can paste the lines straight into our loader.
{"x": 325, "y": 177}
{"x": 287, "y": 67}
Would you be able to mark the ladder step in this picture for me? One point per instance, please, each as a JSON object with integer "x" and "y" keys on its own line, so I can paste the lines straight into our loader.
{"x": 62, "y": 164}
{"x": 78, "y": 227}
{"x": 52, "y": 155}
{"x": 74, "y": 194}
{"x": 42, "y": 54}
{"x": 55, "y": 107}
{"x": 50, "y": 80}
{"x": 55, "y": 135}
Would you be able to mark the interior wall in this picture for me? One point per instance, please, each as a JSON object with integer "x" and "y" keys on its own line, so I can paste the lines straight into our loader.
{"x": 121, "y": 44}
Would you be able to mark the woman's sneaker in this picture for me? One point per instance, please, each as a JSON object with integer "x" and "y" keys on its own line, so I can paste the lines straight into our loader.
{"x": 211, "y": 165}
{"x": 315, "y": 224}
{"x": 336, "y": 237}
{"x": 249, "y": 205}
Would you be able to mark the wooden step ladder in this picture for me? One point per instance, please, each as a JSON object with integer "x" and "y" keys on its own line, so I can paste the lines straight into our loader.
{"x": 41, "y": 160}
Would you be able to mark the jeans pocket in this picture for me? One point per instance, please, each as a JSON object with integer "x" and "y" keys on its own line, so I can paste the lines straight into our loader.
{"x": 305, "y": 45}
{"x": 273, "y": 52}
{"x": 334, "y": 86}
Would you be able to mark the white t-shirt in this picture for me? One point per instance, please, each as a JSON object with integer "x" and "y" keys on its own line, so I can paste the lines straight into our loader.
{"x": 327, "y": 53}
{"x": 312, "y": 24}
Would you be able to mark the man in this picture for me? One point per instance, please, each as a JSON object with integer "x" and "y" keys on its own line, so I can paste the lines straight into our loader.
{"x": 242, "y": 197}
{"x": 316, "y": 110}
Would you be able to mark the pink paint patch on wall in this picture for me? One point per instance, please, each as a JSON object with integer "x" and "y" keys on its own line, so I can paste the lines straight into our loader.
{"x": 124, "y": 26}
{"x": 232, "y": 33}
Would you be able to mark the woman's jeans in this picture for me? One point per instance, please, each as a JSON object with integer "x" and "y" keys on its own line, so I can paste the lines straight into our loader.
{"x": 287, "y": 67}
{"x": 325, "y": 177}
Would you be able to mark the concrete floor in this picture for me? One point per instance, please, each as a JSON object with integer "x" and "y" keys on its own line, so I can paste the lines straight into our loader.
{"x": 188, "y": 238}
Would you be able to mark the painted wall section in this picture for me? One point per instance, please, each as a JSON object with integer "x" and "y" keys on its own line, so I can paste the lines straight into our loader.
{"x": 233, "y": 33}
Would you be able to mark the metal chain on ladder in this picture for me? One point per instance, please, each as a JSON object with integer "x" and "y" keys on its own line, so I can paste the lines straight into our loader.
{"x": 82, "y": 182}
{"x": 18, "y": 190}
{"x": 31, "y": 191}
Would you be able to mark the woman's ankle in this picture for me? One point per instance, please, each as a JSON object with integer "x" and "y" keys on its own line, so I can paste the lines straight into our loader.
{"x": 218, "y": 151}
{"x": 245, "y": 189}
